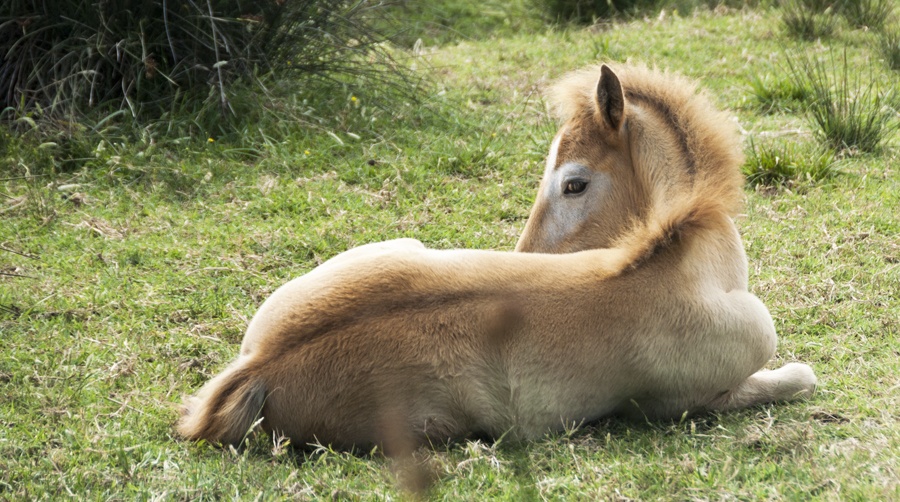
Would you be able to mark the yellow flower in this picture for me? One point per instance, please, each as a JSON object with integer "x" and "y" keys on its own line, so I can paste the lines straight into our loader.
{"x": 210, "y": 140}
{"x": 353, "y": 98}
{"x": 306, "y": 152}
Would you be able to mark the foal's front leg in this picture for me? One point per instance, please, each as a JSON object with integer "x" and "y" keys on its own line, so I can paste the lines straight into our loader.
{"x": 791, "y": 381}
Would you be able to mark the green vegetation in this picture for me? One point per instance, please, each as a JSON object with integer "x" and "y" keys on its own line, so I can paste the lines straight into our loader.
{"x": 179, "y": 68}
{"x": 851, "y": 111}
{"x": 779, "y": 94}
{"x": 586, "y": 11}
{"x": 450, "y": 21}
{"x": 809, "y": 19}
{"x": 129, "y": 267}
{"x": 889, "y": 45}
{"x": 871, "y": 14}
{"x": 788, "y": 163}
{"x": 599, "y": 11}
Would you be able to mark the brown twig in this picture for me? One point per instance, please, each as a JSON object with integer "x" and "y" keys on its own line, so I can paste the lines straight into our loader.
{"x": 10, "y": 274}
{"x": 26, "y": 255}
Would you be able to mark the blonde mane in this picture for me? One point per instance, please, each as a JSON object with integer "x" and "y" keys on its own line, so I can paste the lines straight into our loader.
{"x": 705, "y": 180}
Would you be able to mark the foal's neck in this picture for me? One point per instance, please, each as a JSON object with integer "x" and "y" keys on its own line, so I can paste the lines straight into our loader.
{"x": 716, "y": 255}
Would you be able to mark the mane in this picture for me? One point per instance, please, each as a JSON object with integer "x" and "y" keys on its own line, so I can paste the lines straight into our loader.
{"x": 684, "y": 195}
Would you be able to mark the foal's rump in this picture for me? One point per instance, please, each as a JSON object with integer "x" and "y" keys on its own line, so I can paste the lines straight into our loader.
{"x": 407, "y": 345}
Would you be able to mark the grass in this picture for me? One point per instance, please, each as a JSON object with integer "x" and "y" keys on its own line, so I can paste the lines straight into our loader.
{"x": 869, "y": 14}
{"x": 850, "y": 113}
{"x": 788, "y": 163}
{"x": 600, "y": 11}
{"x": 808, "y": 19}
{"x": 145, "y": 261}
{"x": 889, "y": 46}
{"x": 436, "y": 23}
{"x": 778, "y": 94}
{"x": 162, "y": 70}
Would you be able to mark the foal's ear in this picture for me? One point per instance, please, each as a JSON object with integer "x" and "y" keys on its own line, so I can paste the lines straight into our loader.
{"x": 610, "y": 98}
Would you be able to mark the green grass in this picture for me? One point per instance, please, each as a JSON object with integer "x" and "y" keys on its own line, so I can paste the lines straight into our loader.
{"x": 163, "y": 70}
{"x": 850, "y": 109}
{"x": 435, "y": 23}
{"x": 868, "y": 14}
{"x": 808, "y": 19}
{"x": 778, "y": 94}
{"x": 144, "y": 262}
{"x": 788, "y": 163}
{"x": 889, "y": 46}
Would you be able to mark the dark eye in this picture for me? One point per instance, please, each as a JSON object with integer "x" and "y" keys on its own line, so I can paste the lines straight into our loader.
{"x": 575, "y": 187}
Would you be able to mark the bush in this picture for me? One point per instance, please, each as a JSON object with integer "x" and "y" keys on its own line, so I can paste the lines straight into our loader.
{"x": 867, "y": 13}
{"x": 586, "y": 11}
{"x": 158, "y": 60}
{"x": 808, "y": 19}
{"x": 889, "y": 45}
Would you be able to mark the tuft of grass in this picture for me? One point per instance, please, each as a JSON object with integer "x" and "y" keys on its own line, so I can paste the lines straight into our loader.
{"x": 808, "y": 19}
{"x": 591, "y": 11}
{"x": 584, "y": 11}
{"x": 814, "y": 5}
{"x": 788, "y": 163}
{"x": 778, "y": 94}
{"x": 871, "y": 14}
{"x": 889, "y": 47}
{"x": 850, "y": 113}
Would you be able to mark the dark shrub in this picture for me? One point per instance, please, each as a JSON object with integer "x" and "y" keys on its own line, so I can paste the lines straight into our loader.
{"x": 152, "y": 58}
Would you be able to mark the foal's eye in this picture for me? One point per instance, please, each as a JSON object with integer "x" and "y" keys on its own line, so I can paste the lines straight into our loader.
{"x": 575, "y": 187}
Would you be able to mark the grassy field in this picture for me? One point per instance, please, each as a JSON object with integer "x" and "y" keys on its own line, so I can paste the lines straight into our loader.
{"x": 128, "y": 282}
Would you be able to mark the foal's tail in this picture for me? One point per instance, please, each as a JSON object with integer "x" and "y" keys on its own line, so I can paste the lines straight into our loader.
{"x": 225, "y": 409}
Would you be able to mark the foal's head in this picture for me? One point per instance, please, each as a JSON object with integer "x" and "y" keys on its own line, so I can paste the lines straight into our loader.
{"x": 588, "y": 190}
{"x": 633, "y": 144}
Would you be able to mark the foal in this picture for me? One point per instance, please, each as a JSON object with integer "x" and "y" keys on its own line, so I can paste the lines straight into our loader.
{"x": 630, "y": 297}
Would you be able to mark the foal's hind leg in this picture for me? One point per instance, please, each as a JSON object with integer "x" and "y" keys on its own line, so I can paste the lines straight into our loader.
{"x": 791, "y": 381}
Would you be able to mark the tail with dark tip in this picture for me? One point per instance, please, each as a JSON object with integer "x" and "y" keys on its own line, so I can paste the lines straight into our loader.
{"x": 225, "y": 409}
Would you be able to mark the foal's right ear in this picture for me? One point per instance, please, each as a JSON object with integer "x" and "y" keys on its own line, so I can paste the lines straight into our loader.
{"x": 610, "y": 99}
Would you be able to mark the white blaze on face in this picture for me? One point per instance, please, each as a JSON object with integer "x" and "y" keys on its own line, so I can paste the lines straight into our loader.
{"x": 551, "y": 159}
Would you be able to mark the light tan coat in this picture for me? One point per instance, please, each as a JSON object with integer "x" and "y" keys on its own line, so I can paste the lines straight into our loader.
{"x": 647, "y": 313}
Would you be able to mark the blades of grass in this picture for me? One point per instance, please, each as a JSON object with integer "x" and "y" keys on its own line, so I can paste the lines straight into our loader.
{"x": 807, "y": 21}
{"x": 889, "y": 47}
{"x": 849, "y": 113}
{"x": 869, "y": 14}
{"x": 788, "y": 163}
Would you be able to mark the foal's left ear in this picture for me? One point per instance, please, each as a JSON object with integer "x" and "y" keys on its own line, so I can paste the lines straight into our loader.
{"x": 610, "y": 98}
